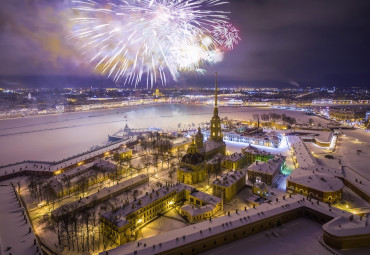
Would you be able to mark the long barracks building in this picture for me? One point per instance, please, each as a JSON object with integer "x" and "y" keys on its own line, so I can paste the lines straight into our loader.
{"x": 119, "y": 225}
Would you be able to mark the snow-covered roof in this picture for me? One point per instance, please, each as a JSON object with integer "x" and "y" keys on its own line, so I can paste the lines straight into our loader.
{"x": 54, "y": 166}
{"x": 319, "y": 181}
{"x": 234, "y": 157}
{"x": 105, "y": 164}
{"x": 323, "y": 136}
{"x": 304, "y": 157}
{"x": 320, "y": 169}
{"x": 228, "y": 179}
{"x": 204, "y": 197}
{"x": 347, "y": 226}
{"x": 357, "y": 180}
{"x": 186, "y": 235}
{"x": 118, "y": 217}
{"x": 254, "y": 150}
{"x": 270, "y": 167}
{"x": 100, "y": 196}
{"x": 195, "y": 211}
{"x": 74, "y": 172}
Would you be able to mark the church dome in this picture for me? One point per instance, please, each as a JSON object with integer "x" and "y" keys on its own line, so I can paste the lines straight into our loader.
{"x": 192, "y": 158}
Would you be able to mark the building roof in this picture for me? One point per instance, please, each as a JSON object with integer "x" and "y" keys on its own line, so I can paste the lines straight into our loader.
{"x": 105, "y": 164}
{"x": 184, "y": 236}
{"x": 228, "y": 179}
{"x": 270, "y": 167}
{"x": 195, "y": 211}
{"x": 118, "y": 217}
{"x": 234, "y": 157}
{"x": 344, "y": 226}
{"x": 318, "y": 181}
{"x": 98, "y": 196}
{"x": 254, "y": 150}
{"x": 54, "y": 166}
{"x": 304, "y": 157}
{"x": 202, "y": 196}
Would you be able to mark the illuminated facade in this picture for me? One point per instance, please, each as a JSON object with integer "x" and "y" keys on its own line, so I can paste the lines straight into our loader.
{"x": 229, "y": 184}
{"x": 266, "y": 172}
{"x": 253, "y": 154}
{"x": 121, "y": 224}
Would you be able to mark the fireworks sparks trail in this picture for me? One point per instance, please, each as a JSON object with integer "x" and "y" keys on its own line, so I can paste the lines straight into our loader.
{"x": 134, "y": 40}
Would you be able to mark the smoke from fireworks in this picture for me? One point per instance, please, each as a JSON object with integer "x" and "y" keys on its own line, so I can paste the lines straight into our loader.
{"x": 145, "y": 39}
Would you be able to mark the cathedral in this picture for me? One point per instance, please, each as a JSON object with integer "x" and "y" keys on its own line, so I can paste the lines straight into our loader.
{"x": 193, "y": 166}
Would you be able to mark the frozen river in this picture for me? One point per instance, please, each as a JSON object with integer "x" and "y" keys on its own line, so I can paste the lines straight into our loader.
{"x": 56, "y": 137}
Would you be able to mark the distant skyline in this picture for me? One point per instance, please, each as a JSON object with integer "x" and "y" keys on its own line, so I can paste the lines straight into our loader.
{"x": 285, "y": 43}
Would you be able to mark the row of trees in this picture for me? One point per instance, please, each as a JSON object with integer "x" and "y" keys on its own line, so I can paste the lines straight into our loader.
{"x": 275, "y": 117}
{"x": 80, "y": 231}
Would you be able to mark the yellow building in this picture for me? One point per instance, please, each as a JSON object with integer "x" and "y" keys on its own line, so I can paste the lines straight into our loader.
{"x": 125, "y": 152}
{"x": 315, "y": 183}
{"x": 200, "y": 205}
{"x": 82, "y": 177}
{"x": 229, "y": 184}
{"x": 234, "y": 161}
{"x": 121, "y": 224}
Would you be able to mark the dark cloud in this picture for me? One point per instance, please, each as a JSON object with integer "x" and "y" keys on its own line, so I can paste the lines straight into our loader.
{"x": 284, "y": 42}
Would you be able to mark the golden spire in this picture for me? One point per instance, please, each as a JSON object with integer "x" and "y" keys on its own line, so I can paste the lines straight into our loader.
{"x": 216, "y": 91}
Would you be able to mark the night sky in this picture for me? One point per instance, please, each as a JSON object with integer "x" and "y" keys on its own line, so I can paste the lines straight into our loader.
{"x": 285, "y": 43}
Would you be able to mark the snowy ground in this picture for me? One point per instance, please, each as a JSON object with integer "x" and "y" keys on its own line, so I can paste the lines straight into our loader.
{"x": 167, "y": 222}
{"x": 14, "y": 231}
{"x": 297, "y": 237}
{"x": 352, "y": 150}
{"x": 237, "y": 147}
{"x": 352, "y": 202}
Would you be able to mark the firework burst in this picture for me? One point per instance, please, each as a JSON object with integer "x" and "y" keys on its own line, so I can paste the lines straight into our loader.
{"x": 135, "y": 40}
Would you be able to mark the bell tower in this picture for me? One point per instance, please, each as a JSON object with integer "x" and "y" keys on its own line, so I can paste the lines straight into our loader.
{"x": 216, "y": 134}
